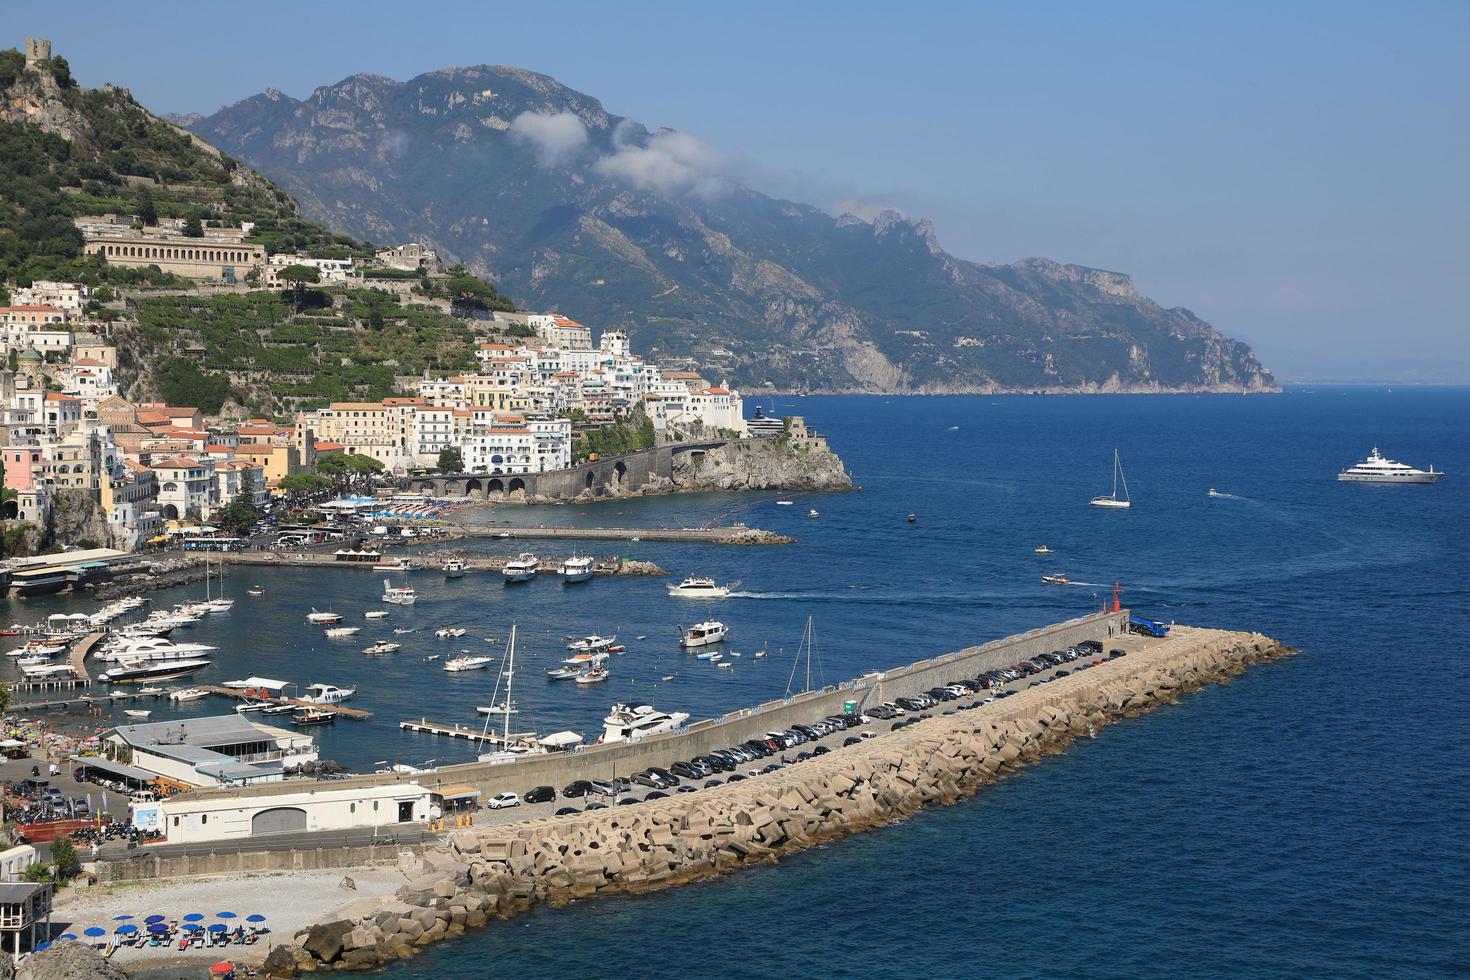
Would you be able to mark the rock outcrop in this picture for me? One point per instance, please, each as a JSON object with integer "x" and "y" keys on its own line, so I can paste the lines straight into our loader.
{"x": 501, "y": 871}
{"x": 796, "y": 460}
{"x": 67, "y": 961}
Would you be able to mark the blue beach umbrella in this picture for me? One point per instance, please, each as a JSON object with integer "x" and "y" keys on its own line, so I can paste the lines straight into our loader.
{"x": 65, "y": 935}
{"x": 194, "y": 917}
{"x": 43, "y": 946}
{"x": 94, "y": 931}
{"x": 126, "y": 930}
{"x": 255, "y": 918}
{"x": 218, "y": 927}
{"x": 193, "y": 927}
{"x": 158, "y": 927}
{"x": 154, "y": 918}
{"x": 224, "y": 915}
{"x": 121, "y": 918}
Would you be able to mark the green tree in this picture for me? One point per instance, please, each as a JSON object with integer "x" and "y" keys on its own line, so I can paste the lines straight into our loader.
{"x": 193, "y": 227}
{"x": 37, "y": 873}
{"x": 304, "y": 483}
{"x": 240, "y": 513}
{"x": 298, "y": 276}
{"x": 451, "y": 460}
{"x": 64, "y": 857}
{"x": 146, "y": 209}
{"x": 348, "y": 464}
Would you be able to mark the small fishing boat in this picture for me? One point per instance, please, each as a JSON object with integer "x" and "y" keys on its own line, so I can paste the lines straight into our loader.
{"x": 139, "y": 713}
{"x": 399, "y": 595}
{"x": 392, "y": 565}
{"x": 460, "y": 664}
{"x": 522, "y": 568}
{"x": 323, "y": 618}
{"x": 575, "y": 569}
{"x": 313, "y": 716}
{"x": 913, "y": 518}
{"x": 450, "y": 632}
{"x": 375, "y": 614}
{"x": 188, "y": 694}
{"x": 382, "y": 647}
{"x": 813, "y": 513}
{"x": 1216, "y": 493}
{"x": 783, "y": 503}
{"x": 709, "y": 655}
{"x": 255, "y": 590}
{"x": 1056, "y": 580}
{"x": 595, "y": 675}
{"x": 402, "y": 630}
{"x": 342, "y": 632}
{"x": 667, "y": 677}
{"x": 1041, "y": 549}
{"x": 454, "y": 568}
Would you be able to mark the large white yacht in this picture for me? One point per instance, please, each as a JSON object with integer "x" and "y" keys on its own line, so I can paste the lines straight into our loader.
{"x": 700, "y": 587}
{"x": 702, "y": 634}
{"x": 522, "y": 568}
{"x": 1379, "y": 469}
{"x": 327, "y": 693}
{"x": 576, "y": 569}
{"x": 626, "y": 723}
{"x": 399, "y": 595}
{"x": 152, "y": 648}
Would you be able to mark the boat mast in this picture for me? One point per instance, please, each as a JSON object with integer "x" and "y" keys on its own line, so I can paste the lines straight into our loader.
{"x": 1119, "y": 473}
{"x": 510, "y": 671}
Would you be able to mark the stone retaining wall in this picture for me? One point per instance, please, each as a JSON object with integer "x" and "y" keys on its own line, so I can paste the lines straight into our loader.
{"x": 151, "y": 866}
{"x": 500, "y": 871}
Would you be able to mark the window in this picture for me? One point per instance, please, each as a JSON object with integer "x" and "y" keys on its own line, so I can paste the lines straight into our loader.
{"x": 203, "y": 818}
{"x": 176, "y": 821}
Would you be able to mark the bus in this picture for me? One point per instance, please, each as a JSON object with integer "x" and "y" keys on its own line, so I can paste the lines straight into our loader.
{"x": 214, "y": 544}
{"x": 1148, "y": 627}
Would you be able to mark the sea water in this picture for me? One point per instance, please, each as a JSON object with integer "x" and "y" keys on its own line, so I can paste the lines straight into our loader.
{"x": 1308, "y": 818}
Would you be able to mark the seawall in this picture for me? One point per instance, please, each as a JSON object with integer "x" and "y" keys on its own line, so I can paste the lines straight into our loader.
{"x": 500, "y": 871}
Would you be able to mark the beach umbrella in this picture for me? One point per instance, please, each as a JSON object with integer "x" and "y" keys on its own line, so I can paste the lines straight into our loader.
{"x": 193, "y": 927}
{"x": 155, "y": 918}
{"x": 255, "y": 918}
{"x": 194, "y": 917}
{"x": 121, "y": 918}
{"x": 126, "y": 930}
{"x": 222, "y": 969}
{"x": 42, "y": 947}
{"x": 219, "y": 927}
{"x": 225, "y": 915}
{"x": 94, "y": 931}
{"x": 158, "y": 927}
{"x": 65, "y": 935}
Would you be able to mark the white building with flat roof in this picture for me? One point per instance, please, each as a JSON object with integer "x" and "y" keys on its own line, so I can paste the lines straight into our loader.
{"x": 190, "y": 820}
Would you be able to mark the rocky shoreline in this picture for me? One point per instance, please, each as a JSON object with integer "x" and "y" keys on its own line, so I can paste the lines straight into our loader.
{"x": 502, "y": 871}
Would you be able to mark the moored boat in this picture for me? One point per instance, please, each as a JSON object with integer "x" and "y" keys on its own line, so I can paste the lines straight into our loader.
{"x": 575, "y": 569}
{"x": 399, "y": 595}
{"x": 382, "y": 647}
{"x": 323, "y": 618}
{"x": 592, "y": 675}
{"x": 625, "y": 723}
{"x": 700, "y": 587}
{"x": 342, "y": 632}
{"x": 313, "y": 716}
{"x": 702, "y": 634}
{"x": 327, "y": 693}
{"x": 460, "y": 664}
{"x": 1112, "y": 500}
{"x": 137, "y": 672}
{"x": 454, "y": 568}
{"x": 522, "y": 568}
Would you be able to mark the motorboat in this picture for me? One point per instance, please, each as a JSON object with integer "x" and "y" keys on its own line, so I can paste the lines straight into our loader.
{"x": 594, "y": 644}
{"x": 137, "y": 672}
{"x": 404, "y": 630}
{"x": 151, "y": 692}
{"x": 575, "y": 569}
{"x": 323, "y": 618}
{"x": 713, "y": 656}
{"x": 625, "y": 723}
{"x": 327, "y": 694}
{"x": 38, "y": 672}
{"x": 1112, "y": 500}
{"x": 139, "y": 713}
{"x": 702, "y": 634}
{"x": 188, "y": 694}
{"x": 1379, "y": 469}
{"x": 522, "y": 568}
{"x": 460, "y": 664}
{"x": 256, "y": 591}
{"x": 562, "y": 673}
{"x": 39, "y": 648}
{"x": 584, "y": 657}
{"x": 454, "y": 568}
{"x": 1041, "y": 549}
{"x": 592, "y": 675}
{"x": 1216, "y": 493}
{"x": 312, "y": 716}
{"x": 448, "y": 632}
{"x": 375, "y": 614}
{"x": 33, "y": 660}
{"x": 498, "y": 708}
{"x": 250, "y": 705}
{"x": 813, "y": 513}
{"x": 398, "y": 595}
{"x": 783, "y": 503}
{"x": 342, "y": 632}
{"x": 153, "y": 648}
{"x": 392, "y": 565}
{"x": 382, "y": 647}
{"x": 700, "y": 587}
{"x": 1056, "y": 580}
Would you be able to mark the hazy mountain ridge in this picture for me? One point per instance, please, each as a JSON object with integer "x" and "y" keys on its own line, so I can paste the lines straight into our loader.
{"x": 568, "y": 206}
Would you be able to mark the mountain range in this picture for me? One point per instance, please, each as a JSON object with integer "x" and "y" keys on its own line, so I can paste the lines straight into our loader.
{"x": 567, "y": 206}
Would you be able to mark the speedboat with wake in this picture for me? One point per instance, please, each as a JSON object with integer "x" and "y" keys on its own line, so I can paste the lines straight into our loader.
{"x": 700, "y": 587}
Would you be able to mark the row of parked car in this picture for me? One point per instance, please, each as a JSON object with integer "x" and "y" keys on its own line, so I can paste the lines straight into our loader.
{"x": 683, "y": 776}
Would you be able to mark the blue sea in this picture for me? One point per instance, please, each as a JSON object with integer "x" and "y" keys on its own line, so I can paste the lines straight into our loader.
{"x": 1308, "y": 818}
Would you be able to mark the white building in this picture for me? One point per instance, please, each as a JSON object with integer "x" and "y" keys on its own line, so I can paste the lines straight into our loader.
{"x": 330, "y": 270}
{"x": 70, "y": 296}
{"x": 560, "y": 331}
{"x": 189, "y": 820}
{"x": 217, "y": 750}
{"x": 186, "y": 486}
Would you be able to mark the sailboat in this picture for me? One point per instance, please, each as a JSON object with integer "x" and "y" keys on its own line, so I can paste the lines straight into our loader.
{"x": 1112, "y": 499}
{"x": 221, "y": 603}
{"x": 807, "y": 647}
{"x": 507, "y": 752}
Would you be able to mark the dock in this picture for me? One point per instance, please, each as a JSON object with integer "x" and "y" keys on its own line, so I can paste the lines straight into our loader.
{"x": 466, "y": 732}
{"x": 356, "y": 714}
{"x": 733, "y": 534}
{"x": 78, "y": 655}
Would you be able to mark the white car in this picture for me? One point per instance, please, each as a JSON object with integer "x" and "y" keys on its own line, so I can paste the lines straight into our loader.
{"x": 501, "y": 801}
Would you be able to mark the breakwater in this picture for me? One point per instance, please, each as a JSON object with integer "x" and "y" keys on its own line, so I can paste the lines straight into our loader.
{"x": 500, "y": 871}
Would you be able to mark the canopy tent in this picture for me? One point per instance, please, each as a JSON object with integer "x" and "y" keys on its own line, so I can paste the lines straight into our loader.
{"x": 561, "y": 740}
{"x": 257, "y": 682}
{"x": 12, "y": 743}
{"x": 115, "y": 769}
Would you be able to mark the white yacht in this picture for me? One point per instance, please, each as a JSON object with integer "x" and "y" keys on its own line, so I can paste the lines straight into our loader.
{"x": 342, "y": 632}
{"x": 595, "y": 644}
{"x": 399, "y": 595}
{"x": 188, "y": 694}
{"x": 323, "y": 618}
{"x": 459, "y": 664}
{"x": 327, "y": 693}
{"x": 701, "y": 587}
{"x": 626, "y": 723}
{"x": 1112, "y": 500}
{"x": 375, "y": 614}
{"x": 152, "y": 648}
{"x": 454, "y": 568}
{"x": 382, "y": 647}
{"x": 136, "y": 671}
{"x": 1379, "y": 469}
{"x": 522, "y": 568}
{"x": 702, "y": 634}
{"x": 498, "y": 708}
{"x": 576, "y": 569}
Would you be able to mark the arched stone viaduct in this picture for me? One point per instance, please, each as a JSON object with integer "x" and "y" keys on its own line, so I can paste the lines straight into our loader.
{"x": 607, "y": 477}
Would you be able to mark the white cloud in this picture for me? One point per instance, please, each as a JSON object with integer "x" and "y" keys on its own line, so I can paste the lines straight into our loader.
{"x": 867, "y": 210}
{"x": 670, "y": 163}
{"x": 557, "y": 136}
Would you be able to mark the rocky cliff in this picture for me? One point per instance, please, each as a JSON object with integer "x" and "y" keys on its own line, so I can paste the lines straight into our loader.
{"x": 796, "y": 462}
{"x": 571, "y": 207}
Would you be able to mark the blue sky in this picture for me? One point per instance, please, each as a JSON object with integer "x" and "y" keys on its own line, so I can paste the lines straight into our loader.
{"x": 1294, "y": 173}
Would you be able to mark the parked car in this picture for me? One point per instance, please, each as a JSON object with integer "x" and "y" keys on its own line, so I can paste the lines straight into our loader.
{"x": 502, "y": 801}
{"x": 566, "y": 811}
{"x": 539, "y": 794}
{"x": 578, "y": 787}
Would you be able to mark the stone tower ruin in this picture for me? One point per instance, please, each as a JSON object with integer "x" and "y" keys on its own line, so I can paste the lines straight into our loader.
{"x": 37, "y": 49}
